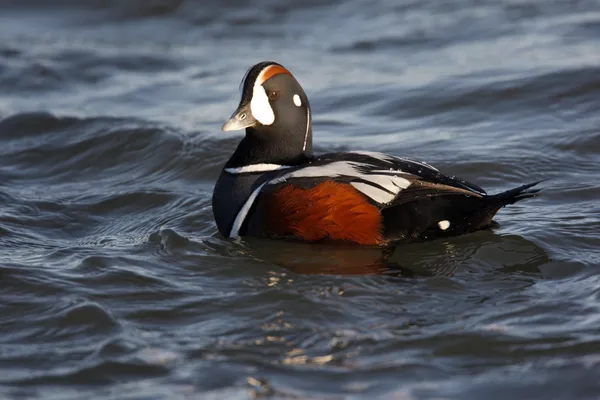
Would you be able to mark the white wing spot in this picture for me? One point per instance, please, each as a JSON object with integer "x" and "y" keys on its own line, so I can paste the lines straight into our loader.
{"x": 297, "y": 100}
{"x": 445, "y": 224}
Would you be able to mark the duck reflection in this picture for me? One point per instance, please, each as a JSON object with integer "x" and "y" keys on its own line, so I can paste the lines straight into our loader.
{"x": 433, "y": 258}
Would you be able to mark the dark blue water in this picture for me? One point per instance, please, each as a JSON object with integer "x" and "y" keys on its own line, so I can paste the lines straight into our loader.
{"x": 114, "y": 282}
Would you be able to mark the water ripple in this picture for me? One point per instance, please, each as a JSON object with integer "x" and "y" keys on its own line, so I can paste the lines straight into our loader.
{"x": 116, "y": 284}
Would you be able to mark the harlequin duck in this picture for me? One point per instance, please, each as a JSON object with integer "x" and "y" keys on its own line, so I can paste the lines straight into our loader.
{"x": 274, "y": 187}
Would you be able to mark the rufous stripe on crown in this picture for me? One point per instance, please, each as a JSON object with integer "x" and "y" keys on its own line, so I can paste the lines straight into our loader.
{"x": 270, "y": 72}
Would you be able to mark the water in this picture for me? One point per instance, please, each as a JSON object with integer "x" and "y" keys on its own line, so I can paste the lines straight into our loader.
{"x": 115, "y": 283}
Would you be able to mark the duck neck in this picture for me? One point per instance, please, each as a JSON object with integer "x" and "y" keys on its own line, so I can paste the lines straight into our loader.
{"x": 266, "y": 147}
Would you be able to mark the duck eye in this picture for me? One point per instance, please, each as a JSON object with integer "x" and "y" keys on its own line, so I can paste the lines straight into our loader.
{"x": 273, "y": 95}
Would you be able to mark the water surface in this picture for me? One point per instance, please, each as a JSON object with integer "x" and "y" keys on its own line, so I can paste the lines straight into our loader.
{"x": 116, "y": 284}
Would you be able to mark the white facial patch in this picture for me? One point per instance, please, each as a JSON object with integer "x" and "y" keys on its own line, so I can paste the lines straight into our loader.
{"x": 297, "y": 100}
{"x": 445, "y": 224}
{"x": 259, "y": 105}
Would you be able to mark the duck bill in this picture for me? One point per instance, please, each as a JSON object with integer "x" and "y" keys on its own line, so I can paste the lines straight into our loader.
{"x": 242, "y": 118}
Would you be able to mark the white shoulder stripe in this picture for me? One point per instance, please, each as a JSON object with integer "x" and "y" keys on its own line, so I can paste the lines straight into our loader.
{"x": 255, "y": 168}
{"x": 381, "y": 186}
{"x": 243, "y": 213}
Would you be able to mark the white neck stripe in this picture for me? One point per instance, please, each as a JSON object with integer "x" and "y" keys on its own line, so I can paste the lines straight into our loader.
{"x": 307, "y": 127}
{"x": 256, "y": 168}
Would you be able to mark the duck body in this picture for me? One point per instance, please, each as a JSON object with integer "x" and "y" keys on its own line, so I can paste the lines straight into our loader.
{"x": 274, "y": 187}
{"x": 354, "y": 197}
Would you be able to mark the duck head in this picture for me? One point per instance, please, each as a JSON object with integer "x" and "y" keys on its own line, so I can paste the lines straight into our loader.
{"x": 275, "y": 113}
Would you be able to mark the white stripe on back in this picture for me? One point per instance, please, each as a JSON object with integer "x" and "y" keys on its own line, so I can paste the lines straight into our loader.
{"x": 389, "y": 182}
{"x": 334, "y": 169}
{"x": 380, "y": 196}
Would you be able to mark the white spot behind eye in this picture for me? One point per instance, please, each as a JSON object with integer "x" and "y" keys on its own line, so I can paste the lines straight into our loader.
{"x": 260, "y": 106}
{"x": 445, "y": 224}
{"x": 297, "y": 100}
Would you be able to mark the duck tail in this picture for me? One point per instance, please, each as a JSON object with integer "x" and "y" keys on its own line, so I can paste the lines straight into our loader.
{"x": 513, "y": 195}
